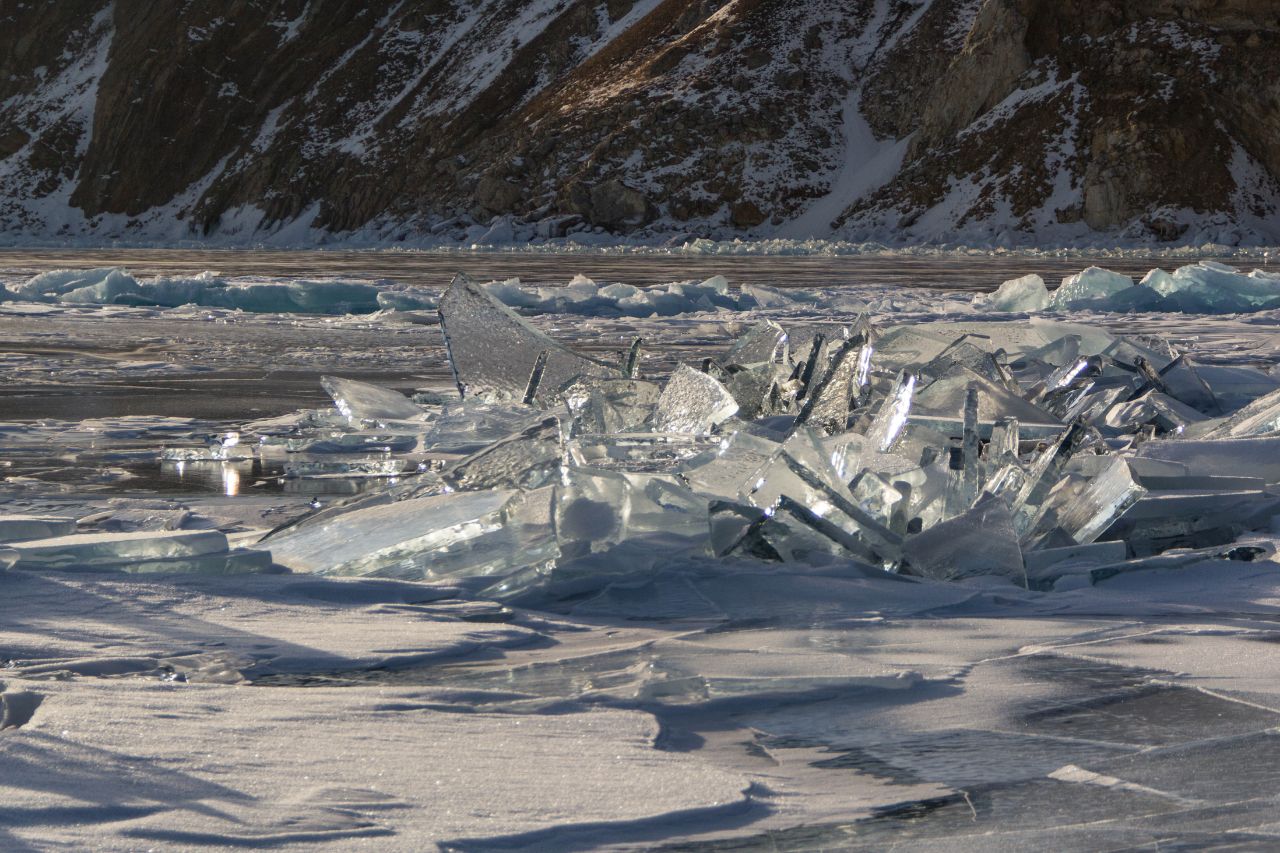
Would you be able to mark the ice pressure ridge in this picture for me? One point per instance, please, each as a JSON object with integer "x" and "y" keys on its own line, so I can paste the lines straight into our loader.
{"x": 115, "y": 286}
{"x": 1040, "y": 452}
{"x": 1206, "y": 287}
{"x": 1031, "y": 451}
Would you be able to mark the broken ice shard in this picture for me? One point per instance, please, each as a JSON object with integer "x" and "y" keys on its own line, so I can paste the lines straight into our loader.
{"x": 982, "y": 541}
{"x": 360, "y": 401}
{"x": 692, "y": 402}
{"x": 886, "y": 428}
{"x": 1083, "y": 508}
{"x": 527, "y": 460}
{"x": 492, "y": 350}
{"x": 469, "y": 533}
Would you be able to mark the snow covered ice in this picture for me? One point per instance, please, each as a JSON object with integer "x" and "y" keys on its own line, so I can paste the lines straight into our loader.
{"x": 612, "y": 567}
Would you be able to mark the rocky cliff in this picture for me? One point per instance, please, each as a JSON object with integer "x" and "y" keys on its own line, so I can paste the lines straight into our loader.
{"x": 982, "y": 121}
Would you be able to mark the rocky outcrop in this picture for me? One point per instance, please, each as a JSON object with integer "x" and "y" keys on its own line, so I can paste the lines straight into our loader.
{"x": 970, "y": 120}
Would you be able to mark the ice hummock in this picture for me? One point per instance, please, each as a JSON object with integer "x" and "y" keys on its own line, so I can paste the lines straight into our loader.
{"x": 939, "y": 450}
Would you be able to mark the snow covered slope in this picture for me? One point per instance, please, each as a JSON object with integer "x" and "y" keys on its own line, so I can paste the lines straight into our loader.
{"x": 996, "y": 122}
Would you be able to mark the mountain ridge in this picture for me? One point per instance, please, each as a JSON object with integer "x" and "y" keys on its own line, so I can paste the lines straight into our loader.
{"x": 989, "y": 122}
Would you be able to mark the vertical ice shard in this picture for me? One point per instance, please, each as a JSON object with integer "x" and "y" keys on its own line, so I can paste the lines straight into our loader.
{"x": 886, "y": 428}
{"x": 826, "y": 407}
{"x": 360, "y": 401}
{"x": 492, "y": 350}
{"x": 693, "y": 402}
{"x": 979, "y": 542}
{"x": 966, "y": 473}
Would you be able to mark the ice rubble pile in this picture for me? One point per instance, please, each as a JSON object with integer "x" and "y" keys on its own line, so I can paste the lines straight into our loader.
{"x": 114, "y": 286}
{"x": 1046, "y": 453}
{"x": 1203, "y": 288}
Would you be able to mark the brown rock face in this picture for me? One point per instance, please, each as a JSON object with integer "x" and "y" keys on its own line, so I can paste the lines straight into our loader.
{"x": 974, "y": 120}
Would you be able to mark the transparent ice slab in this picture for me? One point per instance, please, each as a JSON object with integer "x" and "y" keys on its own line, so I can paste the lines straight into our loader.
{"x": 463, "y": 534}
{"x": 361, "y": 402}
{"x": 597, "y": 509}
{"x": 981, "y": 541}
{"x": 639, "y": 452}
{"x": 386, "y": 466}
{"x": 527, "y": 460}
{"x": 472, "y": 425}
{"x": 602, "y": 406}
{"x": 693, "y": 402}
{"x": 105, "y": 550}
{"x": 492, "y": 350}
{"x": 1085, "y": 507}
{"x": 763, "y": 343}
{"x": 331, "y": 441}
{"x": 945, "y": 398}
{"x": 16, "y": 528}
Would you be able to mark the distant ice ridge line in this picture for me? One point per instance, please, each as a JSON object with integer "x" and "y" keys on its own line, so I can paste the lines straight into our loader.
{"x": 115, "y": 286}
{"x": 1207, "y": 287}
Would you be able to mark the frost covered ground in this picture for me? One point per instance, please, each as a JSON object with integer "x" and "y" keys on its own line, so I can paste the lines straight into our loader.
{"x": 677, "y": 701}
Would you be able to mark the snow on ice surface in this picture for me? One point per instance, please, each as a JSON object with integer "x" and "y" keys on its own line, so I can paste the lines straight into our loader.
{"x": 577, "y": 666}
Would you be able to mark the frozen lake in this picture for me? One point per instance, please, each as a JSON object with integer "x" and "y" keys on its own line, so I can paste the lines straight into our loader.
{"x": 650, "y": 694}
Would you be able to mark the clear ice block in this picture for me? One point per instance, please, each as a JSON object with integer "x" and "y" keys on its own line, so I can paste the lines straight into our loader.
{"x": 693, "y": 402}
{"x": 360, "y": 402}
{"x": 981, "y": 541}
{"x": 464, "y": 534}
